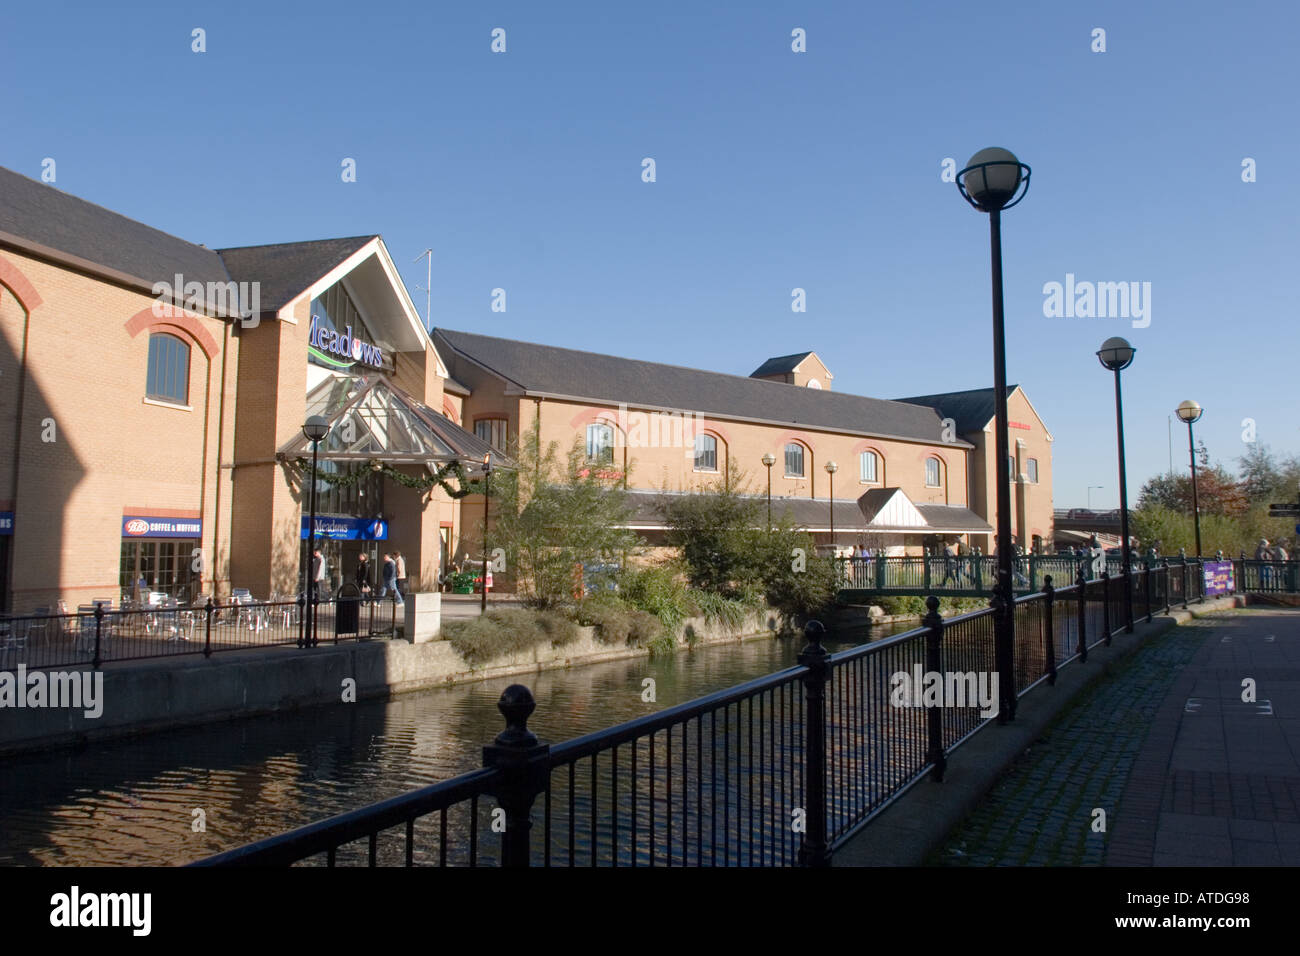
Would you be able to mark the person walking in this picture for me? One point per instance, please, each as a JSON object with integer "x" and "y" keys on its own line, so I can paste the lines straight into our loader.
{"x": 363, "y": 578}
{"x": 318, "y": 575}
{"x": 1098, "y": 555}
{"x": 949, "y": 563}
{"x": 389, "y": 579}
{"x": 401, "y": 571}
{"x": 1264, "y": 553}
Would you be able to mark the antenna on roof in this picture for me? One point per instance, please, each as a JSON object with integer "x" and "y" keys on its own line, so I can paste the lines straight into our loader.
{"x": 428, "y": 291}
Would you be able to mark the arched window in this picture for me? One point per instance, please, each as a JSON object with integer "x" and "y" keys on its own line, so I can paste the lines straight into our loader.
{"x": 869, "y": 465}
{"x": 706, "y": 453}
{"x": 933, "y": 472}
{"x": 168, "y": 378}
{"x": 600, "y": 444}
{"x": 794, "y": 460}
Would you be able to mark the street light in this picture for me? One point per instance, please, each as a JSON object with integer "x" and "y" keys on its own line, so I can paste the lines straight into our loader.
{"x": 989, "y": 183}
{"x": 1190, "y": 412}
{"x": 769, "y": 460}
{"x": 487, "y": 490}
{"x": 314, "y": 429}
{"x": 831, "y": 468}
{"x": 1116, "y": 354}
{"x": 1090, "y": 488}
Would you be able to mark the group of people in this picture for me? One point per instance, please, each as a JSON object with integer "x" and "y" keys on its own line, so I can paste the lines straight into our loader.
{"x": 392, "y": 576}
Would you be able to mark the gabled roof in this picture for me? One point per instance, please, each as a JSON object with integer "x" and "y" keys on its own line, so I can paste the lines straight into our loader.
{"x": 286, "y": 268}
{"x": 37, "y": 213}
{"x": 781, "y": 365}
{"x": 547, "y": 371}
{"x": 971, "y": 410}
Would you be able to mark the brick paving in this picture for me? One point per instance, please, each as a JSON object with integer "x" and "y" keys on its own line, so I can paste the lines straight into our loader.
{"x": 1186, "y": 772}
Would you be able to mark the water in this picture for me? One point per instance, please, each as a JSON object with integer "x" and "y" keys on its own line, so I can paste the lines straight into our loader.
{"x": 140, "y": 801}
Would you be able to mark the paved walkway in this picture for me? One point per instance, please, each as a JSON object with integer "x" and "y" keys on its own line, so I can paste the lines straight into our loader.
{"x": 1187, "y": 773}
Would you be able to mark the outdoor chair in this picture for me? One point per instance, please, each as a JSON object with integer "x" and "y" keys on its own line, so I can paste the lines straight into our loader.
{"x": 13, "y": 639}
{"x": 86, "y": 630}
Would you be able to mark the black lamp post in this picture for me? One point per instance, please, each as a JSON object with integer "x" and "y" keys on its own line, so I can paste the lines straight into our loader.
{"x": 1116, "y": 354}
{"x": 487, "y": 491}
{"x": 831, "y": 468}
{"x": 990, "y": 183}
{"x": 1190, "y": 412}
{"x": 315, "y": 430}
{"x": 769, "y": 460}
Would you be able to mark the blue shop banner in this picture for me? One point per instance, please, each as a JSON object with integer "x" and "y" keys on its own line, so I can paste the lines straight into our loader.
{"x": 348, "y": 529}
{"x": 152, "y": 526}
{"x": 1218, "y": 577}
{"x": 6, "y": 522}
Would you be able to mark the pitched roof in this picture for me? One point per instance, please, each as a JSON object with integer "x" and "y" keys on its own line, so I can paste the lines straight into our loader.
{"x": 971, "y": 409}
{"x": 286, "y": 268}
{"x": 781, "y": 365}
{"x": 46, "y": 216}
{"x": 547, "y": 370}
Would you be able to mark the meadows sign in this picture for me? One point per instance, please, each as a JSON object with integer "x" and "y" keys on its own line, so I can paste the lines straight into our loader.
{"x": 341, "y": 349}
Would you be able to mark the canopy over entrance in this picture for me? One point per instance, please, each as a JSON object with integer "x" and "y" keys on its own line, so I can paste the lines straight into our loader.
{"x": 371, "y": 419}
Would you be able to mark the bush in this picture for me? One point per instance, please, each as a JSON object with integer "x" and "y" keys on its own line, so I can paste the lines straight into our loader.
{"x": 728, "y": 611}
{"x": 507, "y": 631}
{"x": 658, "y": 590}
{"x": 610, "y": 616}
{"x": 905, "y": 604}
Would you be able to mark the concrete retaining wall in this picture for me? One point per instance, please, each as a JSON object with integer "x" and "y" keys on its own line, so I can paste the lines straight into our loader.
{"x": 161, "y": 694}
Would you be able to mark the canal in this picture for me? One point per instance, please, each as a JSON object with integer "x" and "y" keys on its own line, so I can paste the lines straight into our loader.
{"x": 176, "y": 796}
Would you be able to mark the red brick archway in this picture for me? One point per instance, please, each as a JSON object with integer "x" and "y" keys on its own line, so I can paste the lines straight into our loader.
{"x": 12, "y": 278}
{"x": 168, "y": 317}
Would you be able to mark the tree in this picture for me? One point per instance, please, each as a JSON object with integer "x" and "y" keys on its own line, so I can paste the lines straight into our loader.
{"x": 1217, "y": 493}
{"x": 553, "y": 517}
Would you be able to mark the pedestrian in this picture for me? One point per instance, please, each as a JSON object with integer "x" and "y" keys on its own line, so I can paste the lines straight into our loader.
{"x": 401, "y": 571}
{"x": 389, "y": 579}
{"x": 949, "y": 563}
{"x": 1264, "y": 553}
{"x": 1098, "y": 557}
{"x": 318, "y": 575}
{"x": 362, "y": 576}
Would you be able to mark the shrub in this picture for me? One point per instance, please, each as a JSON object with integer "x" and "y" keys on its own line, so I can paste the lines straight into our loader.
{"x": 507, "y": 631}
{"x": 728, "y": 611}
{"x": 610, "y": 616}
{"x": 658, "y": 590}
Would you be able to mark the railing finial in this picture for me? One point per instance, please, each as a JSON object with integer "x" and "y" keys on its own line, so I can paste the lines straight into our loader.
{"x": 516, "y": 706}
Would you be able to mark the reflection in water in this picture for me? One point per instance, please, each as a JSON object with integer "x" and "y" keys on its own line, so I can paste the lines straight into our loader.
{"x": 134, "y": 801}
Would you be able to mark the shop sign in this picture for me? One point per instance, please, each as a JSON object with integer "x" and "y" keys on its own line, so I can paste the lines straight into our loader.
{"x": 348, "y": 529}
{"x": 341, "y": 349}
{"x": 6, "y": 522}
{"x": 1218, "y": 577}
{"x": 150, "y": 526}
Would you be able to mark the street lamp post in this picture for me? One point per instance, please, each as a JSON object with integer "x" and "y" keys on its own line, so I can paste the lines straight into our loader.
{"x": 1191, "y": 412}
{"x": 487, "y": 491}
{"x": 315, "y": 429}
{"x": 990, "y": 183}
{"x": 769, "y": 460}
{"x": 831, "y": 468}
{"x": 1090, "y": 490}
{"x": 1116, "y": 354}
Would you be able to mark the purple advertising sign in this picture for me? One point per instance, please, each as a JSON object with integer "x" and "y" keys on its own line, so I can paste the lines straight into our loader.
{"x": 1218, "y": 577}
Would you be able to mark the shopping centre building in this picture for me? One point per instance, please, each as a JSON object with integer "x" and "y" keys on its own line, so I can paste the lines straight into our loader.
{"x": 155, "y": 391}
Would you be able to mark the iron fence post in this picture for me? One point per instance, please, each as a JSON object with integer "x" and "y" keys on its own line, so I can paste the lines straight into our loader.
{"x": 925, "y": 571}
{"x": 207, "y": 630}
{"x": 1184, "y": 583}
{"x": 1049, "y": 635}
{"x": 1168, "y": 588}
{"x": 934, "y": 665}
{"x": 813, "y": 850}
{"x": 520, "y": 759}
{"x": 1105, "y": 605}
{"x": 302, "y": 620}
{"x": 99, "y": 623}
{"x": 1081, "y": 579}
{"x": 1147, "y": 572}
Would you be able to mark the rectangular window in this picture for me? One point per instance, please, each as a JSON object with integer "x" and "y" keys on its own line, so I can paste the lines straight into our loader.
{"x": 1032, "y": 467}
{"x": 600, "y": 444}
{"x": 869, "y": 466}
{"x": 706, "y": 453}
{"x": 932, "y": 473}
{"x": 493, "y": 431}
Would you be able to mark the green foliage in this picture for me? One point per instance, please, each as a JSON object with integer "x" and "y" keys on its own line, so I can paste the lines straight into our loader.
{"x": 727, "y": 611}
{"x": 505, "y": 631}
{"x": 665, "y": 645}
{"x": 659, "y": 590}
{"x": 554, "y": 516}
{"x": 1231, "y": 535}
{"x": 618, "y": 622}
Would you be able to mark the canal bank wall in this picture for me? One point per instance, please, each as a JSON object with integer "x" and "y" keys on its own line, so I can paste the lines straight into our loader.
{"x": 138, "y": 697}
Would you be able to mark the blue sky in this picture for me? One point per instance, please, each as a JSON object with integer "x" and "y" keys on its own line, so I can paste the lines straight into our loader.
{"x": 775, "y": 170}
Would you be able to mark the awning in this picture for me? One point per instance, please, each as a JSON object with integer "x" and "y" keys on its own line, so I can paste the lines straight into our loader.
{"x": 371, "y": 419}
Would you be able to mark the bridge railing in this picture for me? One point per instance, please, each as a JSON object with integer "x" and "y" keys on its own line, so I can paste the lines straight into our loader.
{"x": 779, "y": 771}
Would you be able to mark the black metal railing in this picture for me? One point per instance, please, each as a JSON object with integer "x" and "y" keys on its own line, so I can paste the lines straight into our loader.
{"x": 779, "y": 771}
{"x": 97, "y": 633}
